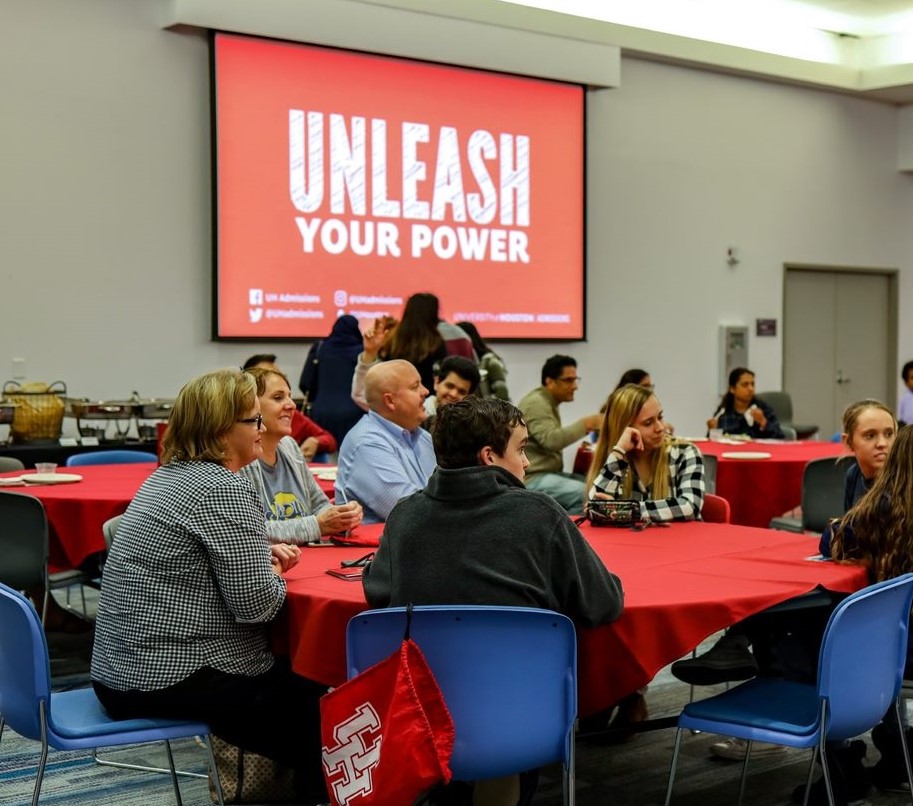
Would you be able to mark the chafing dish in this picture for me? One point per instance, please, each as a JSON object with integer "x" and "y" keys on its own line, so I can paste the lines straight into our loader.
{"x": 153, "y": 408}
{"x": 85, "y": 409}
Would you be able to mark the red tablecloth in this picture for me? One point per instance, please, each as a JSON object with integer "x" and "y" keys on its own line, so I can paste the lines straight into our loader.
{"x": 681, "y": 584}
{"x": 76, "y": 512}
{"x": 760, "y": 489}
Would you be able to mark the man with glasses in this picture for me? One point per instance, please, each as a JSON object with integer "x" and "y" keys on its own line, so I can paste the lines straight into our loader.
{"x": 547, "y": 437}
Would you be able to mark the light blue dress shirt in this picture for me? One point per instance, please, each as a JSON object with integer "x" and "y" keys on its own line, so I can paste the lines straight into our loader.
{"x": 380, "y": 463}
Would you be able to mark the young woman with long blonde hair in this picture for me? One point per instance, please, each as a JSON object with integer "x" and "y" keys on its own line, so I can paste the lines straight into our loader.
{"x": 636, "y": 459}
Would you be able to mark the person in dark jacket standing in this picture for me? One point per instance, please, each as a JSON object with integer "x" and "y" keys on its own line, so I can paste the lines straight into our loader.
{"x": 326, "y": 378}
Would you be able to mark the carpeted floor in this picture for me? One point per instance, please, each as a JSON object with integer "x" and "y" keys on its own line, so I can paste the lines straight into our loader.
{"x": 630, "y": 774}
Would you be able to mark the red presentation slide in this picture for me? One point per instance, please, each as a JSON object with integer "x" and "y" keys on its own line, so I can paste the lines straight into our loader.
{"x": 346, "y": 182}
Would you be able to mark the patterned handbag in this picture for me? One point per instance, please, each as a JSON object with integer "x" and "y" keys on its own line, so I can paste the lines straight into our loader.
{"x": 249, "y": 778}
{"x": 613, "y": 513}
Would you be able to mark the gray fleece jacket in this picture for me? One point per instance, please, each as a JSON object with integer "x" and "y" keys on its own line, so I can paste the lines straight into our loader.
{"x": 476, "y": 535}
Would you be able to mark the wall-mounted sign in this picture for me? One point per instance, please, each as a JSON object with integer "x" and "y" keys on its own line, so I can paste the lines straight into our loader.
{"x": 765, "y": 327}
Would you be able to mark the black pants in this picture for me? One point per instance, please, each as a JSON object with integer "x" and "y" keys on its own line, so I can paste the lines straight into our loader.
{"x": 254, "y": 713}
{"x": 787, "y": 643}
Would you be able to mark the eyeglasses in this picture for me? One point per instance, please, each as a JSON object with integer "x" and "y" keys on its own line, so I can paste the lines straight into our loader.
{"x": 258, "y": 420}
{"x": 575, "y": 379}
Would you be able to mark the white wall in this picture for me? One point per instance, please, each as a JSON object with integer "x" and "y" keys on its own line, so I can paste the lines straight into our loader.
{"x": 105, "y": 241}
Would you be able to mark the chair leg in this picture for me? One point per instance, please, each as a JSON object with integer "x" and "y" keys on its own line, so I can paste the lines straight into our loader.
{"x": 676, "y": 747}
{"x": 174, "y": 775}
{"x": 107, "y": 762}
{"x": 569, "y": 774}
{"x": 809, "y": 777}
{"x": 42, "y": 762}
{"x": 215, "y": 770}
{"x": 827, "y": 774}
{"x": 745, "y": 771}
{"x": 898, "y": 710}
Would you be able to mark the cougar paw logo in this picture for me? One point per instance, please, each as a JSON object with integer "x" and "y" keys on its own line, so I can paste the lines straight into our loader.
{"x": 349, "y": 762}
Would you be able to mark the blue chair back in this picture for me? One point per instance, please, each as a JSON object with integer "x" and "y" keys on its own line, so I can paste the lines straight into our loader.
{"x": 25, "y": 672}
{"x": 112, "y": 457}
{"x": 508, "y": 676}
{"x": 866, "y": 633}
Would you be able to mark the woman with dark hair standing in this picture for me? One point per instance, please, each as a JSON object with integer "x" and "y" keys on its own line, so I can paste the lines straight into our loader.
{"x": 491, "y": 365}
{"x": 740, "y": 412}
{"x": 421, "y": 337}
{"x": 416, "y": 338}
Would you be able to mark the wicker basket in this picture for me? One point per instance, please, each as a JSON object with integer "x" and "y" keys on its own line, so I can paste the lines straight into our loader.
{"x": 39, "y": 410}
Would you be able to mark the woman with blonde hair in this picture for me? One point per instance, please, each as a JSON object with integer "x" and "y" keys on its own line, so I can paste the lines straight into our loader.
{"x": 644, "y": 463}
{"x": 191, "y": 585}
{"x": 297, "y": 510}
{"x": 869, "y": 429}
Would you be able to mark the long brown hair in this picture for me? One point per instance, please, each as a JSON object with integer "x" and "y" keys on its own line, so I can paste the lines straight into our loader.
{"x": 416, "y": 336}
{"x": 882, "y": 520}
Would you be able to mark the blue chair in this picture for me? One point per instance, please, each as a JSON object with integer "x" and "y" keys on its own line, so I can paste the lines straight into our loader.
{"x": 113, "y": 457}
{"x": 860, "y": 672}
{"x": 67, "y": 720}
{"x": 508, "y": 676}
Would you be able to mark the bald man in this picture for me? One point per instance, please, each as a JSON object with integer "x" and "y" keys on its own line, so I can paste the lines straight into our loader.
{"x": 387, "y": 455}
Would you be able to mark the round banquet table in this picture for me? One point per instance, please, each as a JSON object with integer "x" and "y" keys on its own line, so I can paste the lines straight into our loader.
{"x": 76, "y": 512}
{"x": 681, "y": 583}
{"x": 760, "y": 489}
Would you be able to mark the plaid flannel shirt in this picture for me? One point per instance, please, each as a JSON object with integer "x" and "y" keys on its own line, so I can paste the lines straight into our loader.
{"x": 686, "y": 482}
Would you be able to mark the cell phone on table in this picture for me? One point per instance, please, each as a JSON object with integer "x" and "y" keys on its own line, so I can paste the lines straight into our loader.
{"x": 349, "y": 574}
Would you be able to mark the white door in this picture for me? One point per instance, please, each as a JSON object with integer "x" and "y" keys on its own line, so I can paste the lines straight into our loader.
{"x": 839, "y": 342}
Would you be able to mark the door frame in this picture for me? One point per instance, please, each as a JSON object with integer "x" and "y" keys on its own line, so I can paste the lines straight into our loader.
{"x": 892, "y": 276}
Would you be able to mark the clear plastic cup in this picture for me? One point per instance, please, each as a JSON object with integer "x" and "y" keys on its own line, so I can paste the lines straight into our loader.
{"x": 716, "y": 434}
{"x": 45, "y": 467}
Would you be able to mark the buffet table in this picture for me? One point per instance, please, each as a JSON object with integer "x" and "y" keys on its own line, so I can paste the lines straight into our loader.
{"x": 682, "y": 584}
{"x": 31, "y": 452}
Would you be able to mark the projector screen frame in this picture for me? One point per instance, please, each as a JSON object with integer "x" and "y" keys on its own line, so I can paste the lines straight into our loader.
{"x": 447, "y": 310}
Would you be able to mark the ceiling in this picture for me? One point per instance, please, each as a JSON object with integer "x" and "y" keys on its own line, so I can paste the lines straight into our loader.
{"x": 861, "y": 47}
